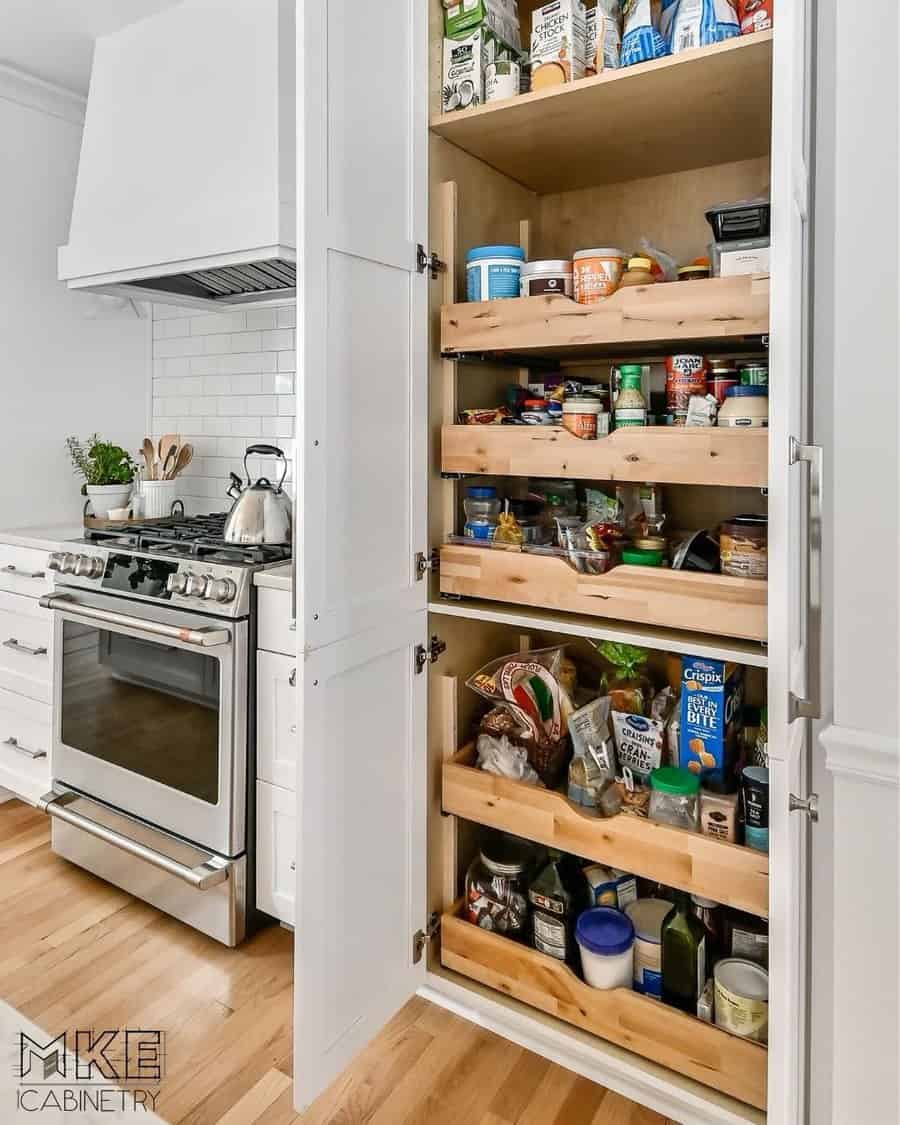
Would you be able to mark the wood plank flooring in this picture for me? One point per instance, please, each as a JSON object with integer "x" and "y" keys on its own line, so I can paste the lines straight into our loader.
{"x": 77, "y": 952}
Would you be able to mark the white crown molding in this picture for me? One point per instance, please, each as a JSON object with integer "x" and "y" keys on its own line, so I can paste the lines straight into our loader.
{"x": 46, "y": 97}
{"x": 862, "y": 755}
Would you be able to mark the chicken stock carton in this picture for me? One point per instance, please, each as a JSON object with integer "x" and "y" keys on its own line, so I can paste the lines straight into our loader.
{"x": 558, "y": 43}
{"x": 712, "y": 697}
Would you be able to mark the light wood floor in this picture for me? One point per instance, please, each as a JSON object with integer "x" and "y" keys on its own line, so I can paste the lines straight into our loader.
{"x": 77, "y": 952}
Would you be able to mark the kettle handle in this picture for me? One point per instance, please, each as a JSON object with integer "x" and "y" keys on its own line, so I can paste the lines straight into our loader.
{"x": 267, "y": 451}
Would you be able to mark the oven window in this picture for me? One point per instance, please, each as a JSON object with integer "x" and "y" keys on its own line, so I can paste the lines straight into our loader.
{"x": 143, "y": 705}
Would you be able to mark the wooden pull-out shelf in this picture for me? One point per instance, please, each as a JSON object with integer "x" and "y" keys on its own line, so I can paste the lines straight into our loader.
{"x": 701, "y": 865}
{"x": 648, "y": 1027}
{"x": 666, "y": 454}
{"x": 708, "y": 603}
{"x": 711, "y": 314}
{"x": 683, "y": 111}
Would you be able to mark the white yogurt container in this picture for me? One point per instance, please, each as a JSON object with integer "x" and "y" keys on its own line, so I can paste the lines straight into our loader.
{"x": 742, "y": 999}
{"x": 606, "y": 942}
{"x": 647, "y": 916}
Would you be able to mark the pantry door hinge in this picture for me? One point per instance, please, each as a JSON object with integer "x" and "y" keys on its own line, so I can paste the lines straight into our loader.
{"x": 424, "y": 563}
{"x": 430, "y": 654}
{"x": 428, "y": 262}
{"x": 422, "y": 937}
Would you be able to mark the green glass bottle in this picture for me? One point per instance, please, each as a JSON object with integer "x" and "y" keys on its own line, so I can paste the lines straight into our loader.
{"x": 683, "y": 956}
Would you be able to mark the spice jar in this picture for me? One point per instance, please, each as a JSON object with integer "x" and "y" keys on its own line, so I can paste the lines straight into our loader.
{"x": 694, "y": 272}
{"x": 719, "y": 813}
{"x": 745, "y": 406}
{"x": 639, "y": 272}
{"x": 743, "y": 547}
{"x": 674, "y": 797}
{"x": 497, "y": 886}
{"x": 631, "y": 406}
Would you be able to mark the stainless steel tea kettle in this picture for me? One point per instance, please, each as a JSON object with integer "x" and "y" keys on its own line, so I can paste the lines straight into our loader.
{"x": 262, "y": 511}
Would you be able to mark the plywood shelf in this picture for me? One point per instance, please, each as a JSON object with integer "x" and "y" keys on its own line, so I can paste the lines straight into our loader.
{"x": 718, "y": 314}
{"x": 707, "y": 105}
{"x": 675, "y": 599}
{"x": 645, "y": 1026}
{"x": 666, "y": 454}
{"x": 727, "y": 873}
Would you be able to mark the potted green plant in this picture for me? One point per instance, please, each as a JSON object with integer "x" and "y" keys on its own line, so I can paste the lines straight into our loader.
{"x": 107, "y": 470}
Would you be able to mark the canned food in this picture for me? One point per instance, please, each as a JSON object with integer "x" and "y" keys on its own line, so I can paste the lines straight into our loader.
{"x": 685, "y": 376}
{"x": 742, "y": 999}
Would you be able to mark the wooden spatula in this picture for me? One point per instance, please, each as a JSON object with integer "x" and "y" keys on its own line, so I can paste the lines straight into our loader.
{"x": 182, "y": 460}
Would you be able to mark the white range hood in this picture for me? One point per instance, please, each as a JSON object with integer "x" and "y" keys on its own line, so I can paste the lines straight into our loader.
{"x": 186, "y": 182}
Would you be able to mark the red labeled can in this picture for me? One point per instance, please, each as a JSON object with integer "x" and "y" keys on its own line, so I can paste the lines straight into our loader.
{"x": 756, "y": 15}
{"x": 685, "y": 377}
{"x": 719, "y": 378}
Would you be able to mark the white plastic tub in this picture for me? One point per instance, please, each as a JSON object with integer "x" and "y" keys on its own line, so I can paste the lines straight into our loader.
{"x": 606, "y": 942}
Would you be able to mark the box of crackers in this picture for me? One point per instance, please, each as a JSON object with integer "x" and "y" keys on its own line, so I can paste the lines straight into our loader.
{"x": 712, "y": 696}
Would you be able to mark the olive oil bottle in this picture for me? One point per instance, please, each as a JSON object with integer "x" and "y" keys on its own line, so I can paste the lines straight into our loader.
{"x": 683, "y": 956}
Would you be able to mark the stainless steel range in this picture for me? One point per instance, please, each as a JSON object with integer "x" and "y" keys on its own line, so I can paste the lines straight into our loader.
{"x": 154, "y": 641}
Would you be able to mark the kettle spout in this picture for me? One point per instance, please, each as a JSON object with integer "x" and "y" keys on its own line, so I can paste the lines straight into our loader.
{"x": 235, "y": 488}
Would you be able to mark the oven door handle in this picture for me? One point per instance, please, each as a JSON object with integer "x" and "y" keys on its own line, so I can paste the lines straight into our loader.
{"x": 202, "y": 638}
{"x": 210, "y": 873}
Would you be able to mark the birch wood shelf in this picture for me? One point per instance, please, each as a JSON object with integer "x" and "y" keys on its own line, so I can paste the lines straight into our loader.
{"x": 675, "y": 599}
{"x": 666, "y": 454}
{"x": 639, "y": 1023}
{"x": 717, "y": 314}
{"x": 727, "y": 873}
{"x": 671, "y": 114}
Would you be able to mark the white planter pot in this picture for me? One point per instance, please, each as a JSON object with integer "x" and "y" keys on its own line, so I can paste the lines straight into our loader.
{"x": 104, "y": 497}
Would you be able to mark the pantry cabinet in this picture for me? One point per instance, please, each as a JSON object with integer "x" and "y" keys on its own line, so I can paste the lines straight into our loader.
{"x": 394, "y": 614}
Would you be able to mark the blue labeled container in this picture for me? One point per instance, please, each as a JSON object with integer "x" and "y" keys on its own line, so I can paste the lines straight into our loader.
{"x": 685, "y": 24}
{"x": 641, "y": 38}
{"x": 493, "y": 272}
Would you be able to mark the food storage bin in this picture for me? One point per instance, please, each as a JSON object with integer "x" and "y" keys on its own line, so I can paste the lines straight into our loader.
{"x": 737, "y": 259}
{"x": 675, "y": 797}
{"x": 606, "y": 941}
{"x": 497, "y": 885}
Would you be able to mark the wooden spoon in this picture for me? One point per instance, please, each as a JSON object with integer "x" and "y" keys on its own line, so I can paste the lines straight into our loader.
{"x": 165, "y": 443}
{"x": 149, "y": 454}
{"x": 168, "y": 462}
{"x": 183, "y": 458}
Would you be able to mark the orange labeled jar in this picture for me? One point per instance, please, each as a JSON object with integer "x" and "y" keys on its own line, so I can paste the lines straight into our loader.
{"x": 581, "y": 417}
{"x": 597, "y": 274}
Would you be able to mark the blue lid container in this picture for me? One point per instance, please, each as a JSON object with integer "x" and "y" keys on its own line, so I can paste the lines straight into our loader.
{"x": 747, "y": 392}
{"x": 605, "y": 931}
{"x": 482, "y": 253}
{"x": 482, "y": 492}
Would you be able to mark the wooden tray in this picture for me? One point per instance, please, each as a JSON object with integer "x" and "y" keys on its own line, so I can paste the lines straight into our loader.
{"x": 648, "y": 1027}
{"x": 666, "y": 454}
{"x": 733, "y": 875}
{"x": 718, "y": 314}
{"x": 708, "y": 603}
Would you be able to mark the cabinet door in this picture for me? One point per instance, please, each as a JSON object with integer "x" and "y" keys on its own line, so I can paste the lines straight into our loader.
{"x": 276, "y": 719}
{"x": 362, "y": 478}
{"x": 794, "y": 567}
{"x": 276, "y": 851}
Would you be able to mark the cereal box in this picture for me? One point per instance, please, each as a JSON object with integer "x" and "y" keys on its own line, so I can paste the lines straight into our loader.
{"x": 712, "y": 694}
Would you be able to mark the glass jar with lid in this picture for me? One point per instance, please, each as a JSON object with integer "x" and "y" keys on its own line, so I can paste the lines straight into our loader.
{"x": 745, "y": 406}
{"x": 497, "y": 885}
{"x": 675, "y": 797}
{"x": 482, "y": 508}
{"x": 639, "y": 272}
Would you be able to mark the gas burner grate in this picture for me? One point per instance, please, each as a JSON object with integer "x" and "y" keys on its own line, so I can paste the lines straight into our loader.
{"x": 186, "y": 537}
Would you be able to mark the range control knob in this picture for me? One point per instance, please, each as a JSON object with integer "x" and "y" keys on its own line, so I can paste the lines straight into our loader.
{"x": 67, "y": 564}
{"x": 177, "y": 583}
{"x": 88, "y": 567}
{"x": 196, "y": 585}
{"x": 55, "y": 561}
{"x": 221, "y": 590}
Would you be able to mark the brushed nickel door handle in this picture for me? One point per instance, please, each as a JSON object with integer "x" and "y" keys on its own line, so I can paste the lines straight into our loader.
{"x": 17, "y": 646}
{"x": 14, "y": 744}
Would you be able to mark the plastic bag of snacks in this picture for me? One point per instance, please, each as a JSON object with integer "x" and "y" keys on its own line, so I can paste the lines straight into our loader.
{"x": 697, "y": 23}
{"x": 641, "y": 38}
{"x": 531, "y": 705}
{"x": 628, "y": 687}
{"x": 756, "y": 15}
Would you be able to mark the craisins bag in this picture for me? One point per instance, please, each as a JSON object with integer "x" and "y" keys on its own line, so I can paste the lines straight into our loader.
{"x": 756, "y": 15}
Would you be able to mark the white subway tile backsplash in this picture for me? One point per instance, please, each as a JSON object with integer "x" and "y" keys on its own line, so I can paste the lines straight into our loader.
{"x": 224, "y": 381}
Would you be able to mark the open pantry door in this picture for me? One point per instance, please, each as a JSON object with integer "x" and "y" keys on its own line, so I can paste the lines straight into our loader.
{"x": 361, "y": 457}
{"x": 795, "y": 479}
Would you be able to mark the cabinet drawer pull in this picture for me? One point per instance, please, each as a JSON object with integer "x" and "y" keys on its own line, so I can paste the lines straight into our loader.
{"x": 10, "y": 569}
{"x": 292, "y": 678}
{"x": 14, "y": 744}
{"x": 17, "y": 646}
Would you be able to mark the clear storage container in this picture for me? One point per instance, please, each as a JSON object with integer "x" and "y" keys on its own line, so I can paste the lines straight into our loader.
{"x": 482, "y": 508}
{"x": 497, "y": 886}
{"x": 675, "y": 797}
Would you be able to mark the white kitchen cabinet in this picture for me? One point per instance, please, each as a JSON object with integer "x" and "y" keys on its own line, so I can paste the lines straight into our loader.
{"x": 25, "y": 740}
{"x": 24, "y": 647}
{"x": 276, "y": 850}
{"x": 276, "y": 718}
{"x": 376, "y": 732}
{"x": 274, "y": 622}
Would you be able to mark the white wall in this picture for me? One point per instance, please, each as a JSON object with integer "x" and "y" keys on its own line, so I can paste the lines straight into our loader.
{"x": 856, "y": 937}
{"x": 60, "y": 373}
{"x": 224, "y": 381}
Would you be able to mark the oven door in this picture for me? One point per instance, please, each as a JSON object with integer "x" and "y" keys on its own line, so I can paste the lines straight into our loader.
{"x": 150, "y": 714}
